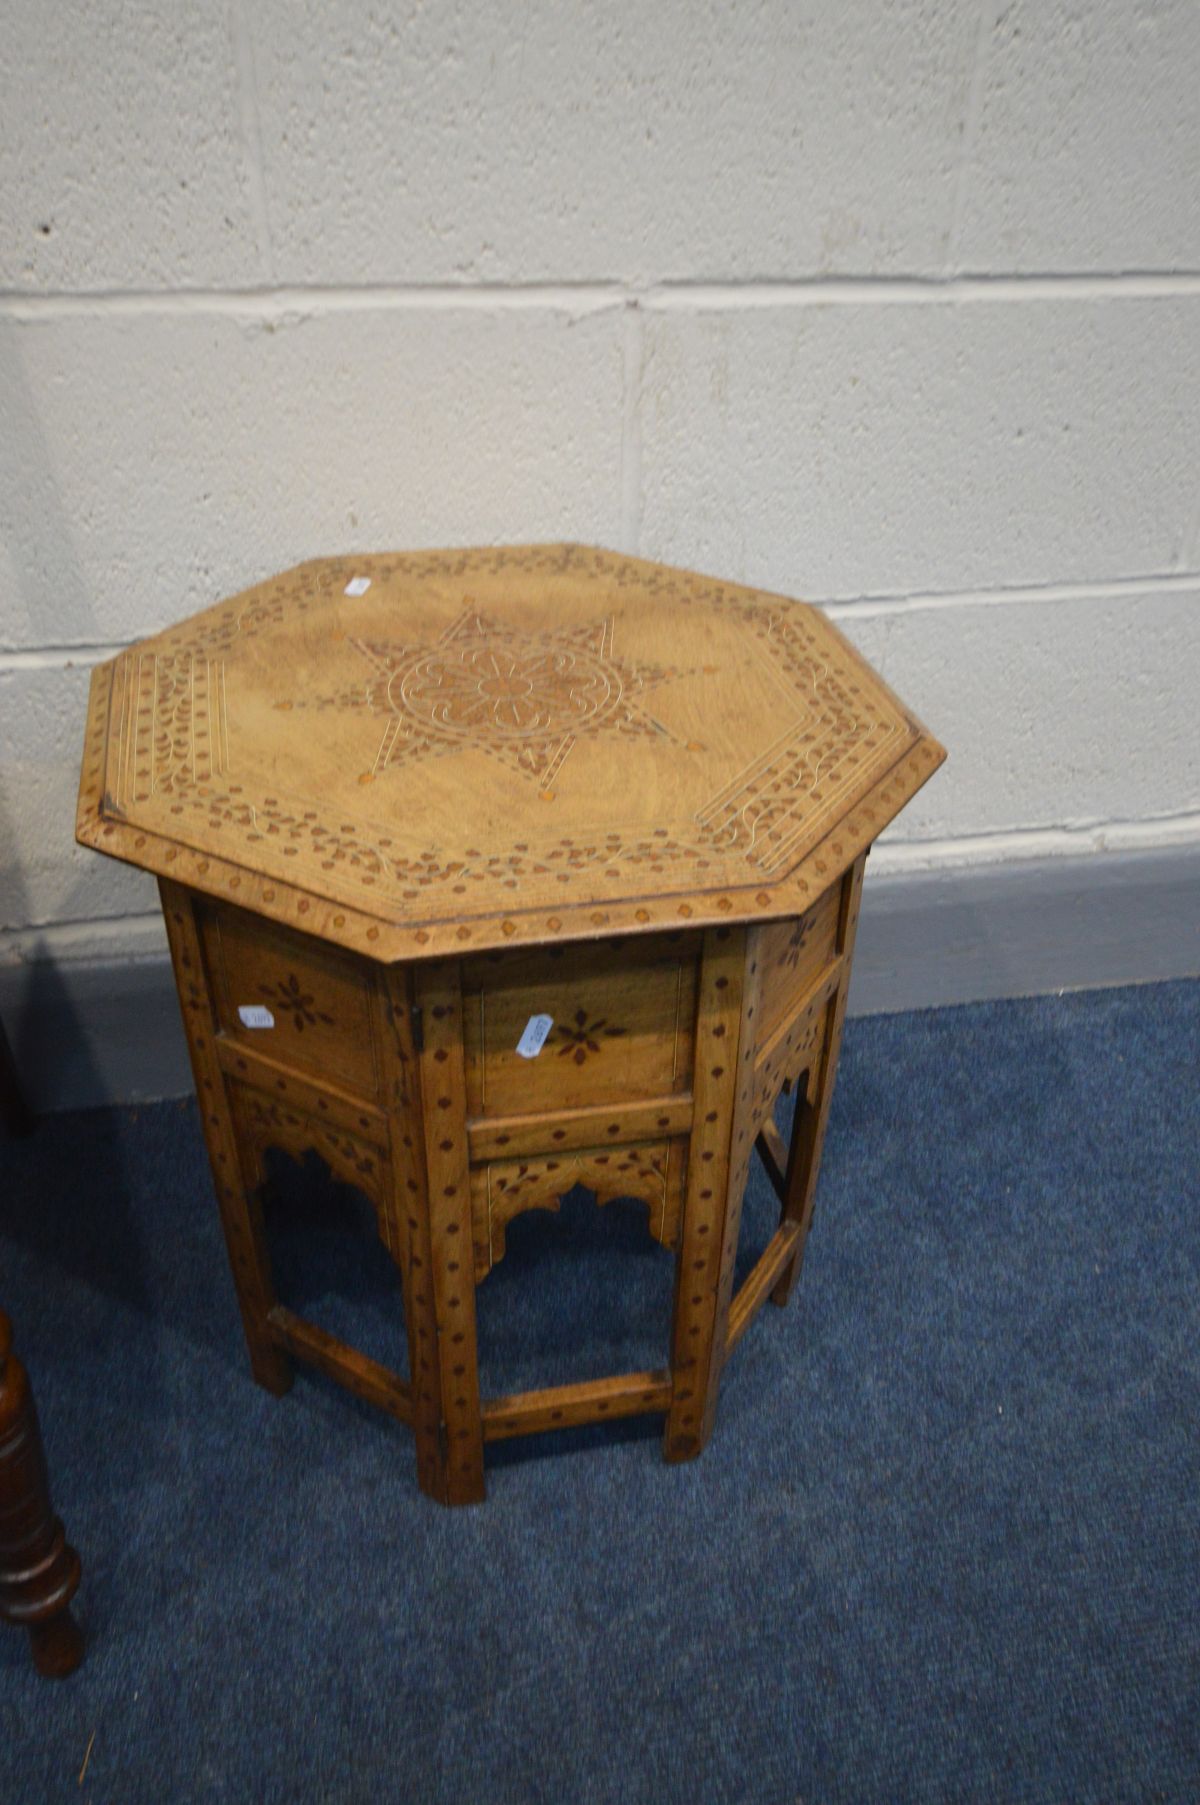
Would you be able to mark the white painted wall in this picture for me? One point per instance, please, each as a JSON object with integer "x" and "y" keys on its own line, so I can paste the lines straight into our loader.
{"x": 895, "y": 306}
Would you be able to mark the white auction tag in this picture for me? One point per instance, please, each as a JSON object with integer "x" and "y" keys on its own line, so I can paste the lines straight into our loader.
{"x": 255, "y": 1015}
{"x": 357, "y": 586}
{"x": 537, "y": 1031}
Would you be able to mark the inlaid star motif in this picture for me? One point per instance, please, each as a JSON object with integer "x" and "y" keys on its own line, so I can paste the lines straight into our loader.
{"x": 525, "y": 698}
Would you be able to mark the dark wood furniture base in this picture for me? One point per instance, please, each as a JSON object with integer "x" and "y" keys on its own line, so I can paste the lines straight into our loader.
{"x": 39, "y": 1572}
{"x": 15, "y": 1114}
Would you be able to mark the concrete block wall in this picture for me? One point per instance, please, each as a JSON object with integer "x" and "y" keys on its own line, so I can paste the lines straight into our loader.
{"x": 895, "y": 306}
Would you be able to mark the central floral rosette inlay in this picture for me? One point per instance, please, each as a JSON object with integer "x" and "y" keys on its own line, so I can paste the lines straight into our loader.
{"x": 472, "y": 689}
{"x": 524, "y": 698}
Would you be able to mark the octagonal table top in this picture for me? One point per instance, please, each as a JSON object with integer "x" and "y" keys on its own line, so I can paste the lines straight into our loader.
{"x": 414, "y": 754}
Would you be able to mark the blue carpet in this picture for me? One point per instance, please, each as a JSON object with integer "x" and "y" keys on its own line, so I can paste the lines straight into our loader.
{"x": 945, "y": 1543}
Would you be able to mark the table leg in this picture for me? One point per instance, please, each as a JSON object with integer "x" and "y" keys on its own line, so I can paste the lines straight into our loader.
{"x": 238, "y": 1195}
{"x": 712, "y": 1199}
{"x": 410, "y": 1239}
{"x": 438, "y": 996}
{"x": 812, "y": 1111}
{"x": 39, "y": 1573}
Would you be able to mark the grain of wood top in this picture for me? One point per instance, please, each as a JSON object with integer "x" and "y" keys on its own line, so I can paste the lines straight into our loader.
{"x": 421, "y": 753}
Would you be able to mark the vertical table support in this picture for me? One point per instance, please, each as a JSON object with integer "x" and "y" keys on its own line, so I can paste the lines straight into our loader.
{"x": 236, "y": 1186}
{"x": 698, "y": 1334}
{"x": 812, "y": 1113}
{"x": 437, "y": 994}
{"x": 742, "y": 1134}
{"x": 409, "y": 1237}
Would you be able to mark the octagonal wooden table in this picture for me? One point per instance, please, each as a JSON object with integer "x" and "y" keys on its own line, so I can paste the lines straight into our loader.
{"x": 490, "y": 873}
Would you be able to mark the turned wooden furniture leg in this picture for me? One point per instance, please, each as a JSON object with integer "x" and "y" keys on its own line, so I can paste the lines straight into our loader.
{"x": 812, "y": 1111}
{"x": 237, "y": 1189}
{"x": 39, "y": 1573}
{"x": 438, "y": 998}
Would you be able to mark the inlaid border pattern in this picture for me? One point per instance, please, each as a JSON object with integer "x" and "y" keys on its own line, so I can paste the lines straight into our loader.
{"x": 171, "y": 725}
{"x": 676, "y": 883}
{"x": 763, "y": 815}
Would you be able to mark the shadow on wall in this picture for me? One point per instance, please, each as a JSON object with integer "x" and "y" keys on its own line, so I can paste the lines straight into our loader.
{"x": 91, "y": 1029}
{"x": 43, "y": 583}
{"x": 41, "y": 573}
{"x": 87, "y": 1028}
{"x": 56, "y": 1222}
{"x": 971, "y": 934}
